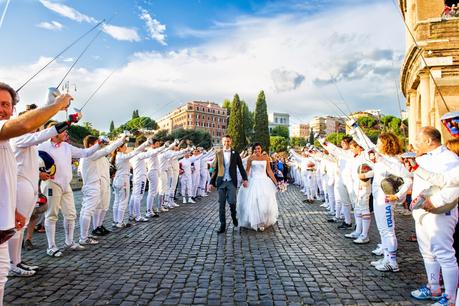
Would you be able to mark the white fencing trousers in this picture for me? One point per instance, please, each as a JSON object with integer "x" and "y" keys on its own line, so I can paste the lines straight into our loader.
{"x": 331, "y": 197}
{"x": 153, "y": 182}
{"x": 343, "y": 202}
{"x": 384, "y": 216}
{"x": 120, "y": 203}
{"x": 26, "y": 197}
{"x": 362, "y": 211}
{"x": 203, "y": 182}
{"x": 89, "y": 204}
{"x": 59, "y": 200}
{"x": 173, "y": 179}
{"x": 435, "y": 239}
{"x": 138, "y": 190}
{"x": 186, "y": 184}
{"x": 196, "y": 180}
{"x": 304, "y": 180}
{"x": 4, "y": 268}
{"x": 163, "y": 186}
{"x": 104, "y": 204}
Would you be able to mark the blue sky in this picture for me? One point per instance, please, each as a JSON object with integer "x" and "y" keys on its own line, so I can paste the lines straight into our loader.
{"x": 168, "y": 52}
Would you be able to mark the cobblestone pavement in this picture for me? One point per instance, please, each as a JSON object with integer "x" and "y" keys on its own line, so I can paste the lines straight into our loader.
{"x": 179, "y": 259}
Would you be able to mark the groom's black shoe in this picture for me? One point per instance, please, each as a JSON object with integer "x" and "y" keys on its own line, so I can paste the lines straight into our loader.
{"x": 235, "y": 223}
{"x": 221, "y": 230}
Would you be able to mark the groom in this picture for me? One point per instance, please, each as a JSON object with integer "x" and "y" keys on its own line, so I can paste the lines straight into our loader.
{"x": 224, "y": 178}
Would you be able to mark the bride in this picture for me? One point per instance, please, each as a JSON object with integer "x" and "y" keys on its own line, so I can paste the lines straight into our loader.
{"x": 257, "y": 204}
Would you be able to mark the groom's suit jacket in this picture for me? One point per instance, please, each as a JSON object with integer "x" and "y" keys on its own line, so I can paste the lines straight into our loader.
{"x": 219, "y": 168}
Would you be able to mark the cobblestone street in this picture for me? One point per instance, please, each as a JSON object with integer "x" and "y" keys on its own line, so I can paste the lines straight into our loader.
{"x": 179, "y": 259}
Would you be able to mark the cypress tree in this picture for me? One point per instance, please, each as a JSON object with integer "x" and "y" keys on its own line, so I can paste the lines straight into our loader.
{"x": 248, "y": 121}
{"x": 236, "y": 125}
{"x": 261, "y": 126}
{"x": 112, "y": 126}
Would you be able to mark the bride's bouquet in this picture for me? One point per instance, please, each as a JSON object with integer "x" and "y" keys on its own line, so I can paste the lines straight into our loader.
{"x": 282, "y": 186}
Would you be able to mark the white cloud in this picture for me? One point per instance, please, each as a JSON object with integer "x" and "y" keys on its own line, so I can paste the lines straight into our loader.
{"x": 67, "y": 11}
{"x": 240, "y": 58}
{"x": 154, "y": 27}
{"x": 53, "y": 25}
{"x": 121, "y": 33}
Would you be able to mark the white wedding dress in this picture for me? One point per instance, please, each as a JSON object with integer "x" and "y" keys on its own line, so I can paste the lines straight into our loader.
{"x": 257, "y": 204}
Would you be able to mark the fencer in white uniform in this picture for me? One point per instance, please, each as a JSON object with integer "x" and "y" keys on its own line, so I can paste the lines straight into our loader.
{"x": 344, "y": 195}
{"x": 121, "y": 183}
{"x": 435, "y": 231}
{"x": 153, "y": 180}
{"x": 382, "y": 202}
{"x": 204, "y": 174}
{"x": 362, "y": 188}
{"x": 11, "y": 128}
{"x": 196, "y": 174}
{"x": 139, "y": 180}
{"x": 8, "y": 185}
{"x": 186, "y": 179}
{"x": 172, "y": 180}
{"x": 59, "y": 192}
{"x": 94, "y": 178}
{"x": 26, "y": 153}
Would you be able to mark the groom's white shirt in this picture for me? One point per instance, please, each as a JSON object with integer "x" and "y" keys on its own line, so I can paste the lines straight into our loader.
{"x": 227, "y": 160}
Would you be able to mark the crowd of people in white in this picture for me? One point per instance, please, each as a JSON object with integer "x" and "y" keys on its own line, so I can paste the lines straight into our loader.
{"x": 36, "y": 172}
{"x": 347, "y": 177}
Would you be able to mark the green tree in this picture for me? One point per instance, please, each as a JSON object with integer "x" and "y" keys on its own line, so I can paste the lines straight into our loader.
{"x": 385, "y": 121}
{"x": 198, "y": 138}
{"x": 236, "y": 125}
{"x": 394, "y": 125}
{"x": 227, "y": 104}
{"x": 112, "y": 126}
{"x": 367, "y": 122}
{"x": 261, "y": 125}
{"x": 297, "y": 142}
{"x": 78, "y": 132}
{"x": 280, "y": 130}
{"x": 135, "y": 114}
{"x": 247, "y": 116}
{"x": 278, "y": 144}
{"x": 136, "y": 124}
{"x": 335, "y": 138}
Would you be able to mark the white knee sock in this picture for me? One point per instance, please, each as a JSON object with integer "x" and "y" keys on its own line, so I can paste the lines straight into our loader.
{"x": 366, "y": 221}
{"x": 338, "y": 210}
{"x": 95, "y": 219}
{"x": 450, "y": 279}
{"x": 150, "y": 200}
{"x": 101, "y": 220}
{"x": 13, "y": 248}
{"x": 85, "y": 223}
{"x": 347, "y": 214}
{"x": 358, "y": 223}
{"x": 50, "y": 227}
{"x": 433, "y": 274}
{"x": 69, "y": 228}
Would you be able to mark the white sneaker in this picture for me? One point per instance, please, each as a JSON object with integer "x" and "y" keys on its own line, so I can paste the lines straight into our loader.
{"x": 54, "y": 252}
{"x": 16, "y": 271}
{"x": 378, "y": 251}
{"x": 141, "y": 219}
{"x": 352, "y": 235}
{"x": 184, "y": 200}
{"x": 377, "y": 262}
{"x": 75, "y": 247}
{"x": 88, "y": 241}
{"x": 175, "y": 205}
{"x": 164, "y": 209}
{"x": 149, "y": 214}
{"x": 387, "y": 266}
{"x": 205, "y": 195}
{"x": 190, "y": 200}
{"x": 361, "y": 240}
{"x": 25, "y": 266}
{"x": 324, "y": 205}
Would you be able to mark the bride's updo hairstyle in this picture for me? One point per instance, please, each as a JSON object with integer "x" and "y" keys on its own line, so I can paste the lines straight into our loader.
{"x": 256, "y": 144}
